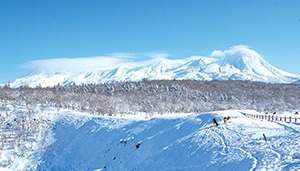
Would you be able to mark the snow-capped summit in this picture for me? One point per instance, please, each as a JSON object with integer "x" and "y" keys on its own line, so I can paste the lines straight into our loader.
{"x": 236, "y": 63}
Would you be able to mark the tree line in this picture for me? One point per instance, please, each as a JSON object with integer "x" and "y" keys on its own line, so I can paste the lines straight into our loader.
{"x": 160, "y": 96}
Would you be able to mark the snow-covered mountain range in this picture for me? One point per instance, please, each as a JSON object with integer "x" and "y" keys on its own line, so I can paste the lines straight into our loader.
{"x": 235, "y": 63}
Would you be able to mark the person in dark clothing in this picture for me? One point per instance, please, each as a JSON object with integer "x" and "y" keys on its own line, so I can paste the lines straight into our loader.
{"x": 215, "y": 122}
{"x": 265, "y": 138}
{"x": 226, "y": 119}
{"x": 137, "y": 146}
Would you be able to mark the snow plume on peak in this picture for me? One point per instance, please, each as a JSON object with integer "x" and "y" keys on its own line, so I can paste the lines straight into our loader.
{"x": 235, "y": 63}
{"x": 241, "y": 57}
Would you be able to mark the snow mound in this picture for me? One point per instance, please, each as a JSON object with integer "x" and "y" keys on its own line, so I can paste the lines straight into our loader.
{"x": 236, "y": 63}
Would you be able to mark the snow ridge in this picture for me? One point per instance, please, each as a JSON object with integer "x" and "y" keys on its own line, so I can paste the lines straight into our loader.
{"x": 236, "y": 63}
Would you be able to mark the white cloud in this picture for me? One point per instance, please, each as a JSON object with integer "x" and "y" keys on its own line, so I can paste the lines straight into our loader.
{"x": 159, "y": 55}
{"x": 217, "y": 53}
{"x": 75, "y": 64}
{"x": 86, "y": 64}
{"x": 233, "y": 50}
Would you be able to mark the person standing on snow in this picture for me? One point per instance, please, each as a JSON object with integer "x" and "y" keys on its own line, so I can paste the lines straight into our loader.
{"x": 215, "y": 122}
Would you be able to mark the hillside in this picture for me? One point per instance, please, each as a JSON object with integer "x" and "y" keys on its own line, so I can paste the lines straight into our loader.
{"x": 68, "y": 140}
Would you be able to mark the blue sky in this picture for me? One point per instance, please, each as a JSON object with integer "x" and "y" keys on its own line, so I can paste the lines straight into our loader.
{"x": 35, "y": 29}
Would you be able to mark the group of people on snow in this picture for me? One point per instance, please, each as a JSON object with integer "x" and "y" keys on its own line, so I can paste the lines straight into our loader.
{"x": 225, "y": 119}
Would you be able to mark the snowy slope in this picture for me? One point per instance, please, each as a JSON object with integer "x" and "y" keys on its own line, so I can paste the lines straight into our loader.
{"x": 236, "y": 63}
{"x": 78, "y": 141}
{"x": 184, "y": 143}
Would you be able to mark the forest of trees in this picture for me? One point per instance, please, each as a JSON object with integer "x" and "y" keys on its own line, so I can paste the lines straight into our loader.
{"x": 160, "y": 96}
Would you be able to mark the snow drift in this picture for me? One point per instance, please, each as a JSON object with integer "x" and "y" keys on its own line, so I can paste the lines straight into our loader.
{"x": 235, "y": 63}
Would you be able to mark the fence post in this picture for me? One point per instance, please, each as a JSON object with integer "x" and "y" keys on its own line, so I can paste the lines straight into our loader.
{"x": 289, "y": 119}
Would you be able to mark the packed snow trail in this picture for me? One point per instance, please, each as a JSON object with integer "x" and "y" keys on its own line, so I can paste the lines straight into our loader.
{"x": 68, "y": 140}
